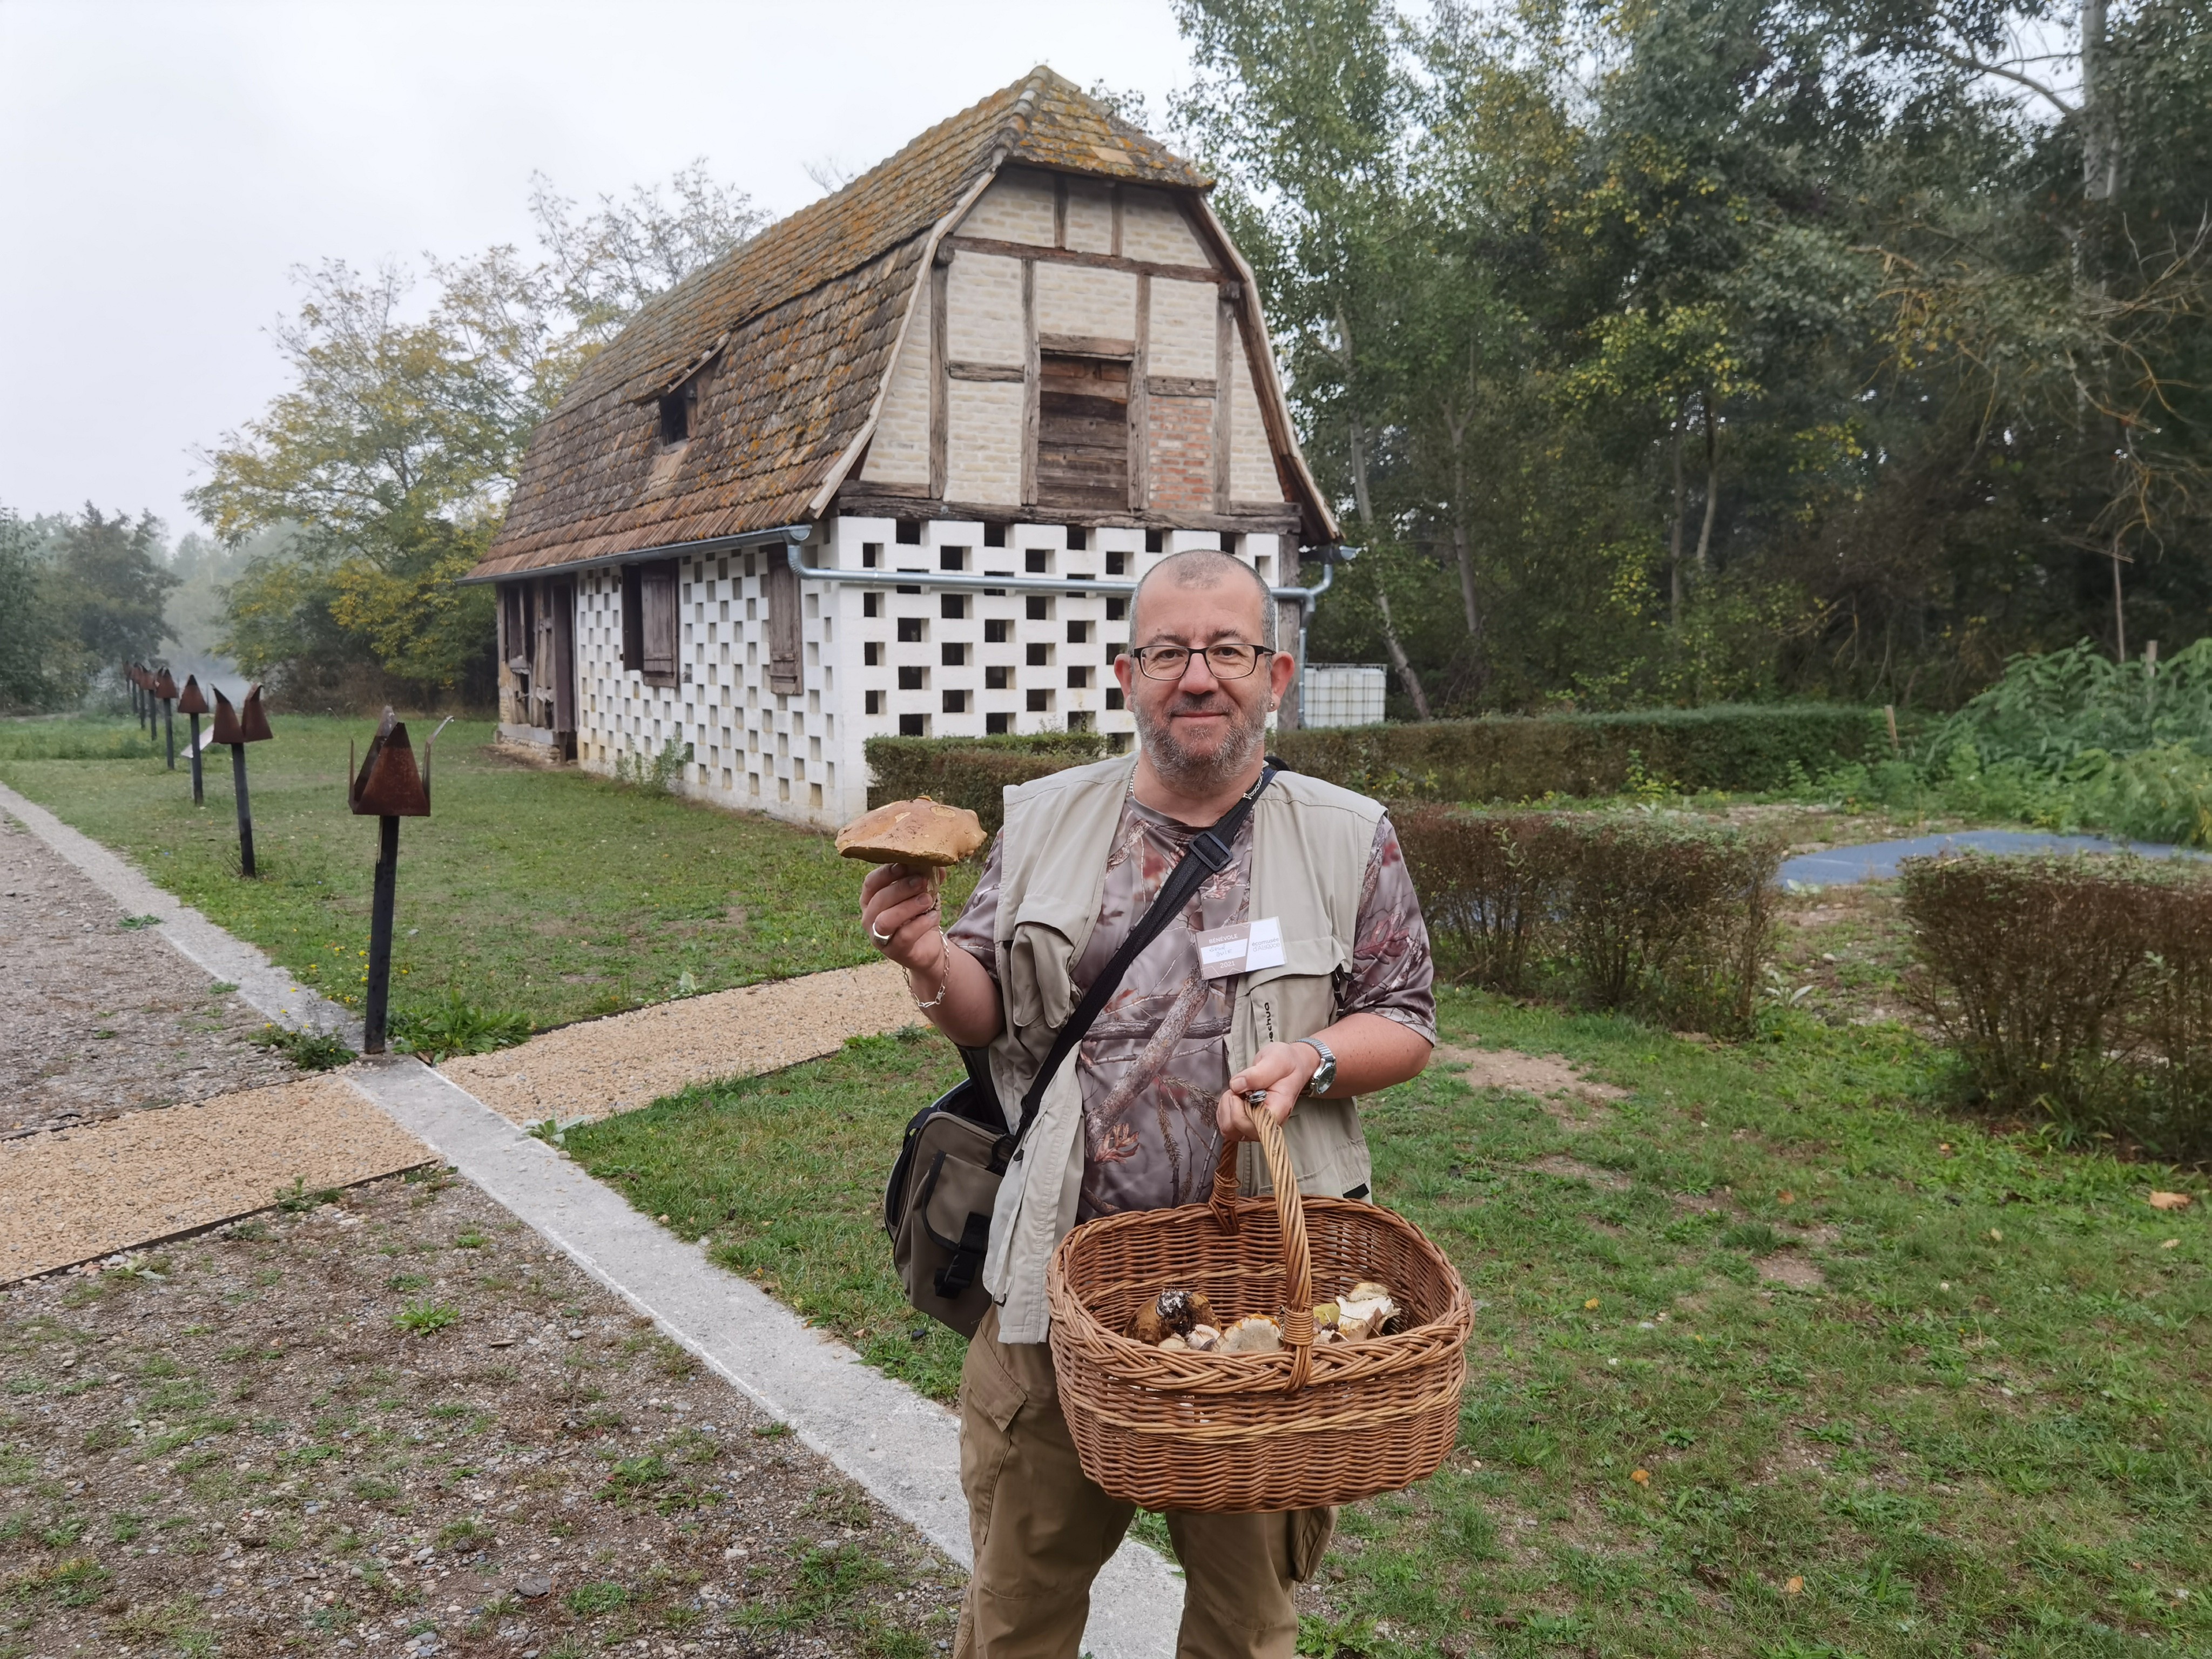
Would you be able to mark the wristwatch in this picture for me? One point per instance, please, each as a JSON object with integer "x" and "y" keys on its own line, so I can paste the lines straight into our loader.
{"x": 1320, "y": 1082}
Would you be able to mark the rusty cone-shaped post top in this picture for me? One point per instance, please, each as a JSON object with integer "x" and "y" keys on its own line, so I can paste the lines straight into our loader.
{"x": 165, "y": 684}
{"x": 237, "y": 728}
{"x": 388, "y": 785}
{"x": 191, "y": 703}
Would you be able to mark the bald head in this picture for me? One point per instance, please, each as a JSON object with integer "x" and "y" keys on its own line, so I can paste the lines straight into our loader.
{"x": 1203, "y": 568}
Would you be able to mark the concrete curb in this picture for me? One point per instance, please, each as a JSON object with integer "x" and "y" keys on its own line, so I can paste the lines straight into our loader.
{"x": 904, "y": 1448}
{"x": 261, "y": 983}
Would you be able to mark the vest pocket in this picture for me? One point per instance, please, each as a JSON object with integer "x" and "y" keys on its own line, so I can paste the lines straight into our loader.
{"x": 1039, "y": 988}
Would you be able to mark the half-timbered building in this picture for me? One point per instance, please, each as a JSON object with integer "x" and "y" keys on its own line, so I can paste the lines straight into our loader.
{"x": 894, "y": 465}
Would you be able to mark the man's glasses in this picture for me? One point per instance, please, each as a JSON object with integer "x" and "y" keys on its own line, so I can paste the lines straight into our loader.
{"x": 1225, "y": 661}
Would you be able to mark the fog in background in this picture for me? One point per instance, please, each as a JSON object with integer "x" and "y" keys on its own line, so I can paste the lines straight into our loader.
{"x": 162, "y": 166}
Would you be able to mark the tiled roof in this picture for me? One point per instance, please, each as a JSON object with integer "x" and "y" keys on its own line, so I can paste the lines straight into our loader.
{"x": 802, "y": 321}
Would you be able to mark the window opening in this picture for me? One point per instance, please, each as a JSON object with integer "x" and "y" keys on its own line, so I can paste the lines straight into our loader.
{"x": 679, "y": 413}
{"x": 908, "y": 533}
{"x": 1079, "y": 539}
{"x": 1083, "y": 432}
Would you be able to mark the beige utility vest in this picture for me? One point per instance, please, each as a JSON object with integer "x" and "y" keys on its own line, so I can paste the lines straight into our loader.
{"x": 1310, "y": 842}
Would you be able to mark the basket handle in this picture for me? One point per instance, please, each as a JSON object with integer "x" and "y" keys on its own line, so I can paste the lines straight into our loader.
{"x": 1290, "y": 1209}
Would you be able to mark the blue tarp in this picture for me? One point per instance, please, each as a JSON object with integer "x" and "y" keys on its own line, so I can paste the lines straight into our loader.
{"x": 1841, "y": 867}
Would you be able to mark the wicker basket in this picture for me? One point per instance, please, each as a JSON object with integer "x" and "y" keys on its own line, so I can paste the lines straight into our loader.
{"x": 1300, "y": 1428}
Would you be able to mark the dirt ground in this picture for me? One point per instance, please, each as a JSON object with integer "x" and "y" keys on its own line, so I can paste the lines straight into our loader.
{"x": 395, "y": 1423}
{"x": 101, "y": 1017}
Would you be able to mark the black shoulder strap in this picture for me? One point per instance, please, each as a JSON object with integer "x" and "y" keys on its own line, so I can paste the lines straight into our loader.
{"x": 1209, "y": 853}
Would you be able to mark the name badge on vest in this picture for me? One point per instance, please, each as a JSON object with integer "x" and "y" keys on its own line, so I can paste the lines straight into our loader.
{"x": 1241, "y": 948}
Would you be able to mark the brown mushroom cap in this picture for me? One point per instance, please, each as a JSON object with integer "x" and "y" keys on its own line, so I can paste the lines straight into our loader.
{"x": 919, "y": 832}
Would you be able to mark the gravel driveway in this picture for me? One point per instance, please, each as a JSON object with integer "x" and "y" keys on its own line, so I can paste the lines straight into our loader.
{"x": 396, "y": 1424}
{"x": 100, "y": 1018}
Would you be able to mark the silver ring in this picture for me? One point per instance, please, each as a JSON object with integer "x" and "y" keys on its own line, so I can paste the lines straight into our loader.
{"x": 880, "y": 938}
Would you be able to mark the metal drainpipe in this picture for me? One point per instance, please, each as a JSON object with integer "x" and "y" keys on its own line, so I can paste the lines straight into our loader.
{"x": 974, "y": 581}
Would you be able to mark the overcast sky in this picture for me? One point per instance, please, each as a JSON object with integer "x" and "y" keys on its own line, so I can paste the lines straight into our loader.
{"x": 163, "y": 164}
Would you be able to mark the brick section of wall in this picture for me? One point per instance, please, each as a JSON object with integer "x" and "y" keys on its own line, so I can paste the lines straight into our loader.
{"x": 1017, "y": 208}
{"x": 983, "y": 309}
{"x": 1089, "y": 216}
{"x": 1153, "y": 228}
{"x": 1251, "y": 460}
{"x": 983, "y": 441}
{"x": 1180, "y": 458}
{"x": 1082, "y": 300}
{"x": 1182, "y": 325}
{"x": 899, "y": 453}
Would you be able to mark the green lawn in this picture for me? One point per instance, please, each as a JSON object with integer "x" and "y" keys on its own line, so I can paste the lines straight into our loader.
{"x": 1899, "y": 1385}
{"x": 551, "y": 893}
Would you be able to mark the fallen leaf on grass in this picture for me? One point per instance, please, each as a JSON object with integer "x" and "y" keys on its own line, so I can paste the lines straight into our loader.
{"x": 2171, "y": 1244}
{"x": 1641, "y": 1477}
{"x": 1795, "y": 1587}
{"x": 1785, "y": 1196}
{"x": 1591, "y": 1304}
{"x": 2171, "y": 1200}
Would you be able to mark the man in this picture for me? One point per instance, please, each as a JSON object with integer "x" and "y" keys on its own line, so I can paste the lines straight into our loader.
{"x": 1136, "y": 1119}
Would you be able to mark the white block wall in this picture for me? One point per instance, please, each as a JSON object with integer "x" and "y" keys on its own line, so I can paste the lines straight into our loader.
{"x": 799, "y": 756}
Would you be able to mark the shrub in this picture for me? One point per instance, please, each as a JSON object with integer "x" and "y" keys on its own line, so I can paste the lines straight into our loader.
{"x": 973, "y": 772}
{"x": 2076, "y": 988}
{"x": 1503, "y": 758}
{"x": 1512, "y": 757}
{"x": 1641, "y": 912}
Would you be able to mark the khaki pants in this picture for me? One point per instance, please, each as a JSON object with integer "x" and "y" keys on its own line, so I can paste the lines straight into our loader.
{"x": 1041, "y": 1531}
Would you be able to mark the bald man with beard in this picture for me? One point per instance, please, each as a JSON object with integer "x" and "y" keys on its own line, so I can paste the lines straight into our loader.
{"x": 1334, "y": 1000}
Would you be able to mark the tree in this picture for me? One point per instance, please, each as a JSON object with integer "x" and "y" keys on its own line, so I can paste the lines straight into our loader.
{"x": 40, "y": 667}
{"x": 108, "y": 585}
{"x": 388, "y": 461}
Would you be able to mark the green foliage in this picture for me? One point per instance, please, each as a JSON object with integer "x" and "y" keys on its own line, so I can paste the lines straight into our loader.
{"x": 973, "y": 772}
{"x": 1637, "y": 911}
{"x": 1714, "y": 348}
{"x": 420, "y": 1318}
{"x": 2078, "y": 990}
{"x": 659, "y": 773}
{"x": 457, "y": 1026}
{"x": 490, "y": 903}
{"x": 309, "y": 1050}
{"x": 1497, "y": 758}
{"x": 40, "y": 667}
{"x": 298, "y": 1199}
{"x": 380, "y": 475}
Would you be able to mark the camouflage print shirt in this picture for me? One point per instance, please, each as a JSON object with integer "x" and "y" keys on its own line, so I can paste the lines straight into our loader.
{"x": 1157, "y": 1059}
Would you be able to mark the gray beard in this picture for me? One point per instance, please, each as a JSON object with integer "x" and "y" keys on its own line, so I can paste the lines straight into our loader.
{"x": 1199, "y": 775}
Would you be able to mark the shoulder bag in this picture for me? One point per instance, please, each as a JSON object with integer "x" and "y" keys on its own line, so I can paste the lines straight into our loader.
{"x": 938, "y": 1204}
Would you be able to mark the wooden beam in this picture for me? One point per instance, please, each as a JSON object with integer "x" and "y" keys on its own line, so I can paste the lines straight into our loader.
{"x": 1140, "y": 408}
{"x": 1068, "y": 255}
{"x": 1083, "y": 345}
{"x": 1059, "y": 209}
{"x": 940, "y": 382}
{"x": 1225, "y": 342}
{"x": 1114, "y": 203}
{"x": 1178, "y": 385}
{"x": 966, "y": 371}
{"x": 878, "y": 501}
{"x": 1029, "y": 368}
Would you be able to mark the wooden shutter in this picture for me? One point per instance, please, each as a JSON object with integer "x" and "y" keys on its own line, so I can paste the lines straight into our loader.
{"x": 657, "y": 620}
{"x": 781, "y": 584}
{"x": 1083, "y": 432}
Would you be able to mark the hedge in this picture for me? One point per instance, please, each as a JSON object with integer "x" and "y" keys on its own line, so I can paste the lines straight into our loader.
{"x": 2073, "y": 989}
{"x": 1499, "y": 758}
{"x": 1647, "y": 912}
{"x": 1514, "y": 758}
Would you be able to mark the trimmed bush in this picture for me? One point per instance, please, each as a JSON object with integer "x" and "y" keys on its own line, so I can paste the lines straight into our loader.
{"x": 973, "y": 772}
{"x": 1511, "y": 758}
{"x": 1504, "y": 758}
{"x": 2075, "y": 988}
{"x": 1644, "y": 913}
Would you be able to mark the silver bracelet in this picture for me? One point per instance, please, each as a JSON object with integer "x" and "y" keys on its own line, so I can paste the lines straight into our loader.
{"x": 945, "y": 967}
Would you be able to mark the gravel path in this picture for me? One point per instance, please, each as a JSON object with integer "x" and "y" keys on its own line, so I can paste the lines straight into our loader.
{"x": 73, "y": 1195}
{"x": 239, "y": 1446}
{"x": 98, "y": 1017}
{"x": 627, "y": 1060}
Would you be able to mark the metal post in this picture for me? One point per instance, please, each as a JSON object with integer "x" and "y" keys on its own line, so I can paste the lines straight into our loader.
{"x": 169, "y": 730}
{"x": 198, "y": 798}
{"x": 244, "y": 811}
{"x": 380, "y": 935}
